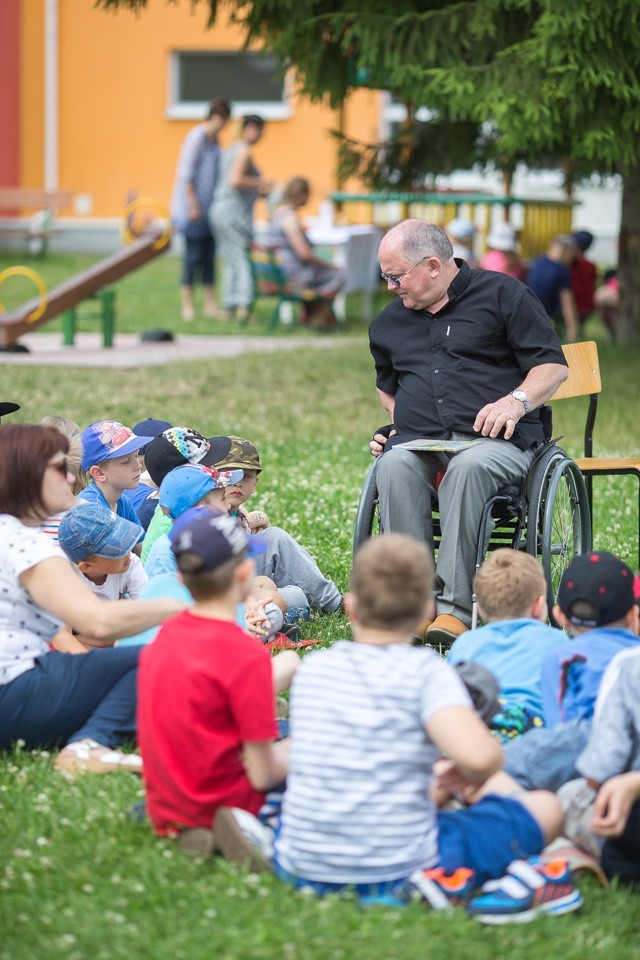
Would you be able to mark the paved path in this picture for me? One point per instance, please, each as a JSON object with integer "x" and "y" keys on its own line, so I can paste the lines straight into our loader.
{"x": 129, "y": 351}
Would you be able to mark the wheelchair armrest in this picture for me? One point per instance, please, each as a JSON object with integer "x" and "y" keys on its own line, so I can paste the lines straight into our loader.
{"x": 546, "y": 418}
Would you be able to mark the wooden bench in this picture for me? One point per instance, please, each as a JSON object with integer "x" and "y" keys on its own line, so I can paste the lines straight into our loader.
{"x": 270, "y": 281}
{"x": 28, "y": 213}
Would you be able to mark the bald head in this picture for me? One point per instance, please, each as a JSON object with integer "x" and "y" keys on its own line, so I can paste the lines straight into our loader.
{"x": 416, "y": 239}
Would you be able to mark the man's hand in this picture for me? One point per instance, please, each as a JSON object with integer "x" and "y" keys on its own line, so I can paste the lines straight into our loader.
{"x": 376, "y": 446}
{"x": 500, "y": 415}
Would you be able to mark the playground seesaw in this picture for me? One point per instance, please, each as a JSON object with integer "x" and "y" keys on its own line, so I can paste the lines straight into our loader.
{"x": 67, "y": 295}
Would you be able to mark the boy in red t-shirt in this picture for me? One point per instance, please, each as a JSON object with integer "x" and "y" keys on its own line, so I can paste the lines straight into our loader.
{"x": 206, "y": 724}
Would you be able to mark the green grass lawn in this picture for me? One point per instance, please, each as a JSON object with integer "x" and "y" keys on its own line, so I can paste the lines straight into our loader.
{"x": 146, "y": 298}
{"x": 77, "y": 879}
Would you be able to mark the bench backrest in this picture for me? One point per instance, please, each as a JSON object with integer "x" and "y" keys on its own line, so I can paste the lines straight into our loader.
{"x": 583, "y": 381}
{"x": 33, "y": 198}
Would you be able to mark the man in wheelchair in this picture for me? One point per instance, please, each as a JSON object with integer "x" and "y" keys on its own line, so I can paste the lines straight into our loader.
{"x": 461, "y": 355}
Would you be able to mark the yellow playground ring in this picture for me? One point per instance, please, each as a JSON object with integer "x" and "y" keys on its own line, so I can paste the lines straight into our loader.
{"x": 39, "y": 282}
{"x": 129, "y": 236}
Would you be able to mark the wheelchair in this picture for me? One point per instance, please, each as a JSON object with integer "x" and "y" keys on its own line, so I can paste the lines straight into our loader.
{"x": 546, "y": 514}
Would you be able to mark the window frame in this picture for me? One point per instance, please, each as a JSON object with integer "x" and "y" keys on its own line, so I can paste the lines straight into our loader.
{"x": 196, "y": 109}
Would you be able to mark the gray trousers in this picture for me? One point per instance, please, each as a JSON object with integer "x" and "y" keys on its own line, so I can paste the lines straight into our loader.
{"x": 233, "y": 237}
{"x": 288, "y": 564}
{"x": 406, "y": 486}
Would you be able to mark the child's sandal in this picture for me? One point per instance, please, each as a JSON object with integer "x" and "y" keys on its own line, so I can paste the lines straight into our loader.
{"x": 87, "y": 756}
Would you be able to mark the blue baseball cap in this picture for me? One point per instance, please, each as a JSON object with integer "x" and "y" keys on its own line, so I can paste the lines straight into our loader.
{"x": 91, "y": 529}
{"x": 107, "y": 439}
{"x": 185, "y": 485}
{"x": 213, "y": 536}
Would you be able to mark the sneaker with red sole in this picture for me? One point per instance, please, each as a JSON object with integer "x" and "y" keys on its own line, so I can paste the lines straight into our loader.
{"x": 440, "y": 890}
{"x": 529, "y": 888}
{"x": 282, "y": 642}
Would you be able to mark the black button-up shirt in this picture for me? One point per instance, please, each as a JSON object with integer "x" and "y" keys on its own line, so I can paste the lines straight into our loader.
{"x": 443, "y": 367}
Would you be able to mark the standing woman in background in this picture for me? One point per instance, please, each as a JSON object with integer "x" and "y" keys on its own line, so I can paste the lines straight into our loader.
{"x": 239, "y": 186}
{"x": 192, "y": 197}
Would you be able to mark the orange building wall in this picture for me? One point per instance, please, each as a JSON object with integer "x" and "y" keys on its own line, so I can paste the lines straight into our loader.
{"x": 114, "y": 135}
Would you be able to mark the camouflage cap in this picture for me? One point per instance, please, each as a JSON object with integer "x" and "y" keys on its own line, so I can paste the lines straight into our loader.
{"x": 234, "y": 453}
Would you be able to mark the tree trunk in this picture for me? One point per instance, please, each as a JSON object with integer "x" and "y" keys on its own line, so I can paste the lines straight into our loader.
{"x": 628, "y": 327}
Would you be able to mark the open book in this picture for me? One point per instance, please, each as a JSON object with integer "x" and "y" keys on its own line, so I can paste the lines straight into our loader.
{"x": 437, "y": 446}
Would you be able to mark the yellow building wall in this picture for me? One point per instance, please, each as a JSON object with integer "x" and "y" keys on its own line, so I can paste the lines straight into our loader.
{"x": 114, "y": 135}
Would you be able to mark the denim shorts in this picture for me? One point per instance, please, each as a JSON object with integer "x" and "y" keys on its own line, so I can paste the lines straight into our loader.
{"x": 487, "y": 836}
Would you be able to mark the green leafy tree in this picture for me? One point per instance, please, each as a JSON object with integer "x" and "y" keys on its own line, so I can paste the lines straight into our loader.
{"x": 554, "y": 77}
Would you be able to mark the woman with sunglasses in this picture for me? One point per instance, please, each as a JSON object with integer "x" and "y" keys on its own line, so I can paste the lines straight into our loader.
{"x": 86, "y": 703}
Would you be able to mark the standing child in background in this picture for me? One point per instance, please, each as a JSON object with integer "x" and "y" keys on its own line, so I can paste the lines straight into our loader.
{"x": 502, "y": 256}
{"x": 583, "y": 277}
{"x": 371, "y": 722}
{"x": 511, "y": 593}
{"x": 550, "y": 280}
{"x": 461, "y": 232}
{"x": 206, "y": 689}
{"x": 110, "y": 459}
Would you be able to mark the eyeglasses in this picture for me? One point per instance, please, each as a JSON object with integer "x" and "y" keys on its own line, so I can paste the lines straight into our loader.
{"x": 389, "y": 277}
{"x": 62, "y": 466}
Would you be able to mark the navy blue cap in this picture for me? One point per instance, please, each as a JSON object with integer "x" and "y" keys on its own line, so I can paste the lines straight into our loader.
{"x": 212, "y": 535}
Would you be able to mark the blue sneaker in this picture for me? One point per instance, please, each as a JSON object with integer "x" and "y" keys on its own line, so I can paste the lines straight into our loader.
{"x": 530, "y": 887}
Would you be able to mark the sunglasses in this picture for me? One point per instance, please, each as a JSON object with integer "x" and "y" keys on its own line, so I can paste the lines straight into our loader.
{"x": 396, "y": 279}
{"x": 62, "y": 466}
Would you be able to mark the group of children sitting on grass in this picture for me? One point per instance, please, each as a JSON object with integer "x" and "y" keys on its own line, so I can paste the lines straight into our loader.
{"x": 391, "y": 785}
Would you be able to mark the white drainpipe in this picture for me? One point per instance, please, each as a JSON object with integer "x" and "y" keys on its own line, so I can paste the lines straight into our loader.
{"x": 51, "y": 95}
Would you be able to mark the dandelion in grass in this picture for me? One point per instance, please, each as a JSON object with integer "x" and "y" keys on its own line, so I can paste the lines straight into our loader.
{"x": 66, "y": 940}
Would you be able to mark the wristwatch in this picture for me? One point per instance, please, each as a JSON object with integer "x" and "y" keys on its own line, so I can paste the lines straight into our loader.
{"x": 524, "y": 399}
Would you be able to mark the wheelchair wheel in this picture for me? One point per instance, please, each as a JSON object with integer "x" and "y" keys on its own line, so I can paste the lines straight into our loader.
{"x": 559, "y": 523}
{"x": 368, "y": 515}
